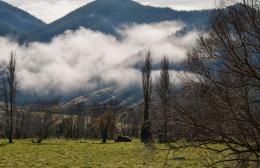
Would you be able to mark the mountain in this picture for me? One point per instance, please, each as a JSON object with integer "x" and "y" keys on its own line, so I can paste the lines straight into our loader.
{"x": 7, "y": 30}
{"x": 128, "y": 98}
{"x": 105, "y": 16}
{"x": 14, "y": 21}
{"x": 108, "y": 15}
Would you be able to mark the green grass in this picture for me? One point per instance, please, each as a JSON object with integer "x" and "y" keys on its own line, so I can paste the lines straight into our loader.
{"x": 90, "y": 153}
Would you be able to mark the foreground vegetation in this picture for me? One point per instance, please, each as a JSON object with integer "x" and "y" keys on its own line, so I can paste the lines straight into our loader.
{"x": 91, "y": 153}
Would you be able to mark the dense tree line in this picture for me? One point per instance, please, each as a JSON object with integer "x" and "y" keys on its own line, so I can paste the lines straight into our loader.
{"x": 46, "y": 119}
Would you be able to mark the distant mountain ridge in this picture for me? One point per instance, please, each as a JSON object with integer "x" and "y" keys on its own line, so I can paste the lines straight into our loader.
{"x": 14, "y": 21}
{"x": 105, "y": 16}
{"x": 101, "y": 15}
{"x": 108, "y": 15}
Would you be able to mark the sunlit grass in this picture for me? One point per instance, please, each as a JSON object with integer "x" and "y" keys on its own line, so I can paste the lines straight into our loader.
{"x": 91, "y": 153}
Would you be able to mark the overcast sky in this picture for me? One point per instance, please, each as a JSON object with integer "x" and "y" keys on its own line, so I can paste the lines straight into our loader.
{"x": 50, "y": 10}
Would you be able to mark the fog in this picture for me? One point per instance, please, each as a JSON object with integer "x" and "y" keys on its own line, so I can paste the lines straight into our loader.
{"x": 78, "y": 59}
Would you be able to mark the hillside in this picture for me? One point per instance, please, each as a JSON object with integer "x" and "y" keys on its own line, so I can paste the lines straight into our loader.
{"x": 14, "y": 21}
{"x": 101, "y": 15}
{"x": 108, "y": 15}
{"x": 7, "y": 30}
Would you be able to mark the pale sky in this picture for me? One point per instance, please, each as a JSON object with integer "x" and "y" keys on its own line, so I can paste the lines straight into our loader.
{"x": 50, "y": 10}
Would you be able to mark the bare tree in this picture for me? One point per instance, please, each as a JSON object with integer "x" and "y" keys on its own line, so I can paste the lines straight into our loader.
{"x": 107, "y": 125}
{"x": 20, "y": 123}
{"x": 222, "y": 99}
{"x": 80, "y": 121}
{"x": 44, "y": 118}
{"x": 10, "y": 93}
{"x": 3, "y": 119}
{"x": 146, "y": 134}
{"x": 163, "y": 90}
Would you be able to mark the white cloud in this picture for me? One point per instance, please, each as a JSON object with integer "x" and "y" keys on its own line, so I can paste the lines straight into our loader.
{"x": 181, "y": 4}
{"x": 72, "y": 60}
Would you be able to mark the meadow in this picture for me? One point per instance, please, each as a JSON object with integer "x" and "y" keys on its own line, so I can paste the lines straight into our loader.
{"x": 92, "y": 154}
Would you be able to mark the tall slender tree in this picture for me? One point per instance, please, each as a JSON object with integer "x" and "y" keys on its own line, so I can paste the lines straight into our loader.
{"x": 146, "y": 134}
{"x": 11, "y": 85}
{"x": 163, "y": 90}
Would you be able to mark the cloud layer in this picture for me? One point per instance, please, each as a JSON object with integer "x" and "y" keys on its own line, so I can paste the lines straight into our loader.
{"x": 182, "y": 4}
{"x": 77, "y": 60}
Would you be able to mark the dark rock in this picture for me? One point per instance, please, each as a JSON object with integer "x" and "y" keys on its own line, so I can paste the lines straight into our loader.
{"x": 122, "y": 139}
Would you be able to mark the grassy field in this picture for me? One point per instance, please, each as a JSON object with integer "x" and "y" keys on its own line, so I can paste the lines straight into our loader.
{"x": 90, "y": 153}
